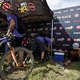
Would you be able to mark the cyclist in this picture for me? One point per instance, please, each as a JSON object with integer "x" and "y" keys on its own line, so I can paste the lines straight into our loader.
{"x": 12, "y": 21}
{"x": 43, "y": 43}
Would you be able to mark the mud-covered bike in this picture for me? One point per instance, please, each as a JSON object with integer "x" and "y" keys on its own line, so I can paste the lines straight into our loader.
{"x": 18, "y": 73}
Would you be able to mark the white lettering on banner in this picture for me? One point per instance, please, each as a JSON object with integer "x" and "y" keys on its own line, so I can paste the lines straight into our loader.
{"x": 65, "y": 11}
{"x": 71, "y": 9}
{"x": 69, "y": 28}
{"x": 76, "y": 32}
{"x": 78, "y": 9}
{"x": 58, "y": 17}
{"x": 57, "y": 12}
{"x": 67, "y": 16}
{"x": 67, "y": 22}
{"x": 60, "y": 39}
{"x": 64, "y": 17}
{"x": 58, "y": 33}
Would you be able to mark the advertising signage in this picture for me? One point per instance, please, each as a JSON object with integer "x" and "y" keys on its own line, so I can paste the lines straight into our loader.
{"x": 66, "y": 27}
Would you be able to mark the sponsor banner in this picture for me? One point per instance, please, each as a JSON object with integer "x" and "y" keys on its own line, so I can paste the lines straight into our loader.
{"x": 67, "y": 26}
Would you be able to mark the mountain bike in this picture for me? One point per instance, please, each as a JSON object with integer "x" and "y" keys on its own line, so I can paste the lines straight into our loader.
{"x": 19, "y": 73}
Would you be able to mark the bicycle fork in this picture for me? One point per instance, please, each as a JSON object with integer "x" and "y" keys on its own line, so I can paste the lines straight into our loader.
{"x": 13, "y": 56}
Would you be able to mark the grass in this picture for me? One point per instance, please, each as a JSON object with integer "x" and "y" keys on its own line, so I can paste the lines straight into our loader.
{"x": 54, "y": 71}
{"x": 51, "y": 71}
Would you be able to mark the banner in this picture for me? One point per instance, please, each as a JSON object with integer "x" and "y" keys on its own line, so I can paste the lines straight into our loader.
{"x": 66, "y": 27}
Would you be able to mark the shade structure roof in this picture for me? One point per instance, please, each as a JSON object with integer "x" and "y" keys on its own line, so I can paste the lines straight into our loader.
{"x": 29, "y": 10}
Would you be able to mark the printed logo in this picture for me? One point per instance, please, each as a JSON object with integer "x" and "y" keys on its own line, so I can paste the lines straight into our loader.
{"x": 65, "y": 11}
{"x": 68, "y": 39}
{"x": 67, "y": 22}
{"x": 60, "y": 39}
{"x": 71, "y": 9}
{"x": 61, "y": 28}
{"x": 75, "y": 39}
{"x": 76, "y": 15}
{"x": 23, "y": 7}
{"x": 78, "y": 39}
{"x": 31, "y": 6}
{"x": 58, "y": 33}
{"x": 78, "y": 27}
{"x": 69, "y": 28}
{"x": 54, "y": 28}
{"x": 67, "y": 16}
{"x": 23, "y": 4}
{"x": 1, "y": 1}
{"x": 6, "y": 6}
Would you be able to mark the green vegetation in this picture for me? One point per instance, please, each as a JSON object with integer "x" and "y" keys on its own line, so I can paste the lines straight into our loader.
{"x": 51, "y": 71}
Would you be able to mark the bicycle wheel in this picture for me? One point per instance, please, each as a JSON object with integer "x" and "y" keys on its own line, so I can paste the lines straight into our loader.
{"x": 17, "y": 74}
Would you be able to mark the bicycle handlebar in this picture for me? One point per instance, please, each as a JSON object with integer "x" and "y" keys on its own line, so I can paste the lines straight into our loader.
{"x": 10, "y": 36}
{"x": 6, "y": 38}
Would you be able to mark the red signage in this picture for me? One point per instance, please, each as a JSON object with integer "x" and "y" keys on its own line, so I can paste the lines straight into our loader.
{"x": 6, "y": 6}
{"x": 31, "y": 6}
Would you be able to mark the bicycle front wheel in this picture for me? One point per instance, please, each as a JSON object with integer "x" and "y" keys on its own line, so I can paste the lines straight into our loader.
{"x": 19, "y": 73}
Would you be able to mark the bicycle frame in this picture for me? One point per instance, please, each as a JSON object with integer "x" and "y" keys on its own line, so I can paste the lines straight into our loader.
{"x": 6, "y": 41}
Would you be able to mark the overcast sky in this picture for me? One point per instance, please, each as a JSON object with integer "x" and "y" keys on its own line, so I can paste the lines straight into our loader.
{"x": 59, "y": 4}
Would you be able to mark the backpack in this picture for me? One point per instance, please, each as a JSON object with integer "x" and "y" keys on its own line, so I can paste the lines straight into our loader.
{"x": 21, "y": 25}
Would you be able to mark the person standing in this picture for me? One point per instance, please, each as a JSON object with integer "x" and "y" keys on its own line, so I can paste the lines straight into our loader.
{"x": 12, "y": 22}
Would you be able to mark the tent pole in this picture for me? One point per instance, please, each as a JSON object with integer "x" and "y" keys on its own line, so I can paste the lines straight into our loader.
{"x": 52, "y": 25}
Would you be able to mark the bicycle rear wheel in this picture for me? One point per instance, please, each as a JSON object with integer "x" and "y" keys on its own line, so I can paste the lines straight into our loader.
{"x": 17, "y": 74}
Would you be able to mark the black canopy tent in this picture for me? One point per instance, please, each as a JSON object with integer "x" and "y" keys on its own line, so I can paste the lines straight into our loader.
{"x": 30, "y": 10}
{"x": 37, "y": 10}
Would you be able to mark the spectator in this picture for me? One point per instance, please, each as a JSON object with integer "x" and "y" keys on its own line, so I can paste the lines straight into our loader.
{"x": 43, "y": 43}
